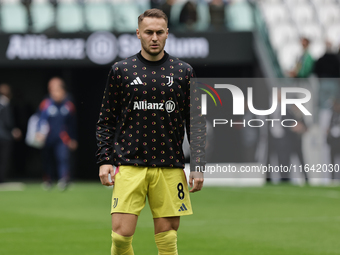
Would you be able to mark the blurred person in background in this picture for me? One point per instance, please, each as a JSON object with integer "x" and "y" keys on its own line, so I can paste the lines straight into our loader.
{"x": 22, "y": 111}
{"x": 304, "y": 65}
{"x": 286, "y": 141}
{"x": 328, "y": 66}
{"x": 249, "y": 137}
{"x": 333, "y": 140}
{"x": 295, "y": 135}
{"x": 188, "y": 16}
{"x": 60, "y": 114}
{"x": 156, "y": 4}
{"x": 166, "y": 8}
{"x": 8, "y": 131}
{"x": 279, "y": 145}
{"x": 217, "y": 15}
{"x": 27, "y": 5}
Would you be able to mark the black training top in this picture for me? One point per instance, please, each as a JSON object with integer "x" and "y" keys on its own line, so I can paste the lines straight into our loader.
{"x": 145, "y": 107}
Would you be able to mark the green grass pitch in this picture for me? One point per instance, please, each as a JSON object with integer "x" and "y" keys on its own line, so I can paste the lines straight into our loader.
{"x": 271, "y": 220}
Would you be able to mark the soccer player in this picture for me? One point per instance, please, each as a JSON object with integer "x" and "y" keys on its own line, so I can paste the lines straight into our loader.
{"x": 140, "y": 130}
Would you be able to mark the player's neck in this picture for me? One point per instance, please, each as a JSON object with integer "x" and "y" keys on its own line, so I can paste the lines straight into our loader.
{"x": 151, "y": 57}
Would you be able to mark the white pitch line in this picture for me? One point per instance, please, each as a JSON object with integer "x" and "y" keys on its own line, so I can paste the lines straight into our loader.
{"x": 12, "y": 186}
{"x": 328, "y": 194}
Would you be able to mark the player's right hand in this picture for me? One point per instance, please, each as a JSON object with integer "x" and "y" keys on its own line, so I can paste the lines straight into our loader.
{"x": 196, "y": 180}
{"x": 104, "y": 171}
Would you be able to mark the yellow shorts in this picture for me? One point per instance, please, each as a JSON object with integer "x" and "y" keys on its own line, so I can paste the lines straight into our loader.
{"x": 166, "y": 188}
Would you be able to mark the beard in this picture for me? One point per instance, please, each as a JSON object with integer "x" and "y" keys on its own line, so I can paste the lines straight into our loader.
{"x": 152, "y": 53}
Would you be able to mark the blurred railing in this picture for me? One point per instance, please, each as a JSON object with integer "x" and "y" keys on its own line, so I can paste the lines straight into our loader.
{"x": 262, "y": 33}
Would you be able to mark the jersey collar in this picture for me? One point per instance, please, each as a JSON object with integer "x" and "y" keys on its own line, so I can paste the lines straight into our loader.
{"x": 152, "y": 63}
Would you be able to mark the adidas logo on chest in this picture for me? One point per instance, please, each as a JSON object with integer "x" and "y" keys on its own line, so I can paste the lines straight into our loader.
{"x": 136, "y": 81}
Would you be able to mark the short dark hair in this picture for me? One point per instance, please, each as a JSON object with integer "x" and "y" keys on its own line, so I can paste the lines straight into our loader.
{"x": 153, "y": 13}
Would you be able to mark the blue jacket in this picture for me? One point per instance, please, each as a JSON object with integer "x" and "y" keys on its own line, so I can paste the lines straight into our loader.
{"x": 61, "y": 118}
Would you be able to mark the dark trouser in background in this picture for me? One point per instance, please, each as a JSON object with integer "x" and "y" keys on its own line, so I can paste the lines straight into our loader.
{"x": 282, "y": 147}
{"x": 334, "y": 152}
{"x": 5, "y": 157}
{"x": 297, "y": 148}
{"x": 56, "y": 156}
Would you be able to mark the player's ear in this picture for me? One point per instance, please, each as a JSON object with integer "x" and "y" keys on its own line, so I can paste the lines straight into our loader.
{"x": 137, "y": 33}
{"x": 167, "y": 33}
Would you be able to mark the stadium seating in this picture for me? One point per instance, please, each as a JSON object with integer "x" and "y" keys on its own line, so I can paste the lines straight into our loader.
{"x": 70, "y": 17}
{"x": 203, "y": 16}
{"x": 289, "y": 54}
{"x": 282, "y": 34}
{"x": 175, "y": 13}
{"x": 125, "y": 17}
{"x": 98, "y": 8}
{"x": 328, "y": 14}
{"x": 323, "y": 2}
{"x": 43, "y": 16}
{"x": 289, "y": 20}
{"x": 275, "y": 13}
{"x": 143, "y": 5}
{"x": 333, "y": 34}
{"x": 295, "y": 2}
{"x": 317, "y": 49}
{"x": 14, "y": 18}
{"x": 312, "y": 31}
{"x": 302, "y": 13}
{"x": 240, "y": 16}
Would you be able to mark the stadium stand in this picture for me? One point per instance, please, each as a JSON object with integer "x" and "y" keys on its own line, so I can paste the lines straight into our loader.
{"x": 43, "y": 15}
{"x": 287, "y": 21}
{"x": 328, "y": 14}
{"x": 70, "y": 16}
{"x": 295, "y": 2}
{"x": 123, "y": 22}
{"x": 240, "y": 16}
{"x": 203, "y": 15}
{"x": 282, "y": 34}
{"x": 312, "y": 31}
{"x": 95, "y": 9}
{"x": 317, "y": 49}
{"x": 14, "y": 17}
{"x": 288, "y": 55}
{"x": 322, "y": 2}
{"x": 333, "y": 34}
{"x": 302, "y": 13}
{"x": 274, "y": 13}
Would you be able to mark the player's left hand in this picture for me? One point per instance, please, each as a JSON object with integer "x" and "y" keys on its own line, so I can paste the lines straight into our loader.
{"x": 196, "y": 179}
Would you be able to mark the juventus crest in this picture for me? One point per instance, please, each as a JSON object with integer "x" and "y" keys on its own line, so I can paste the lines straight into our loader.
{"x": 170, "y": 80}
